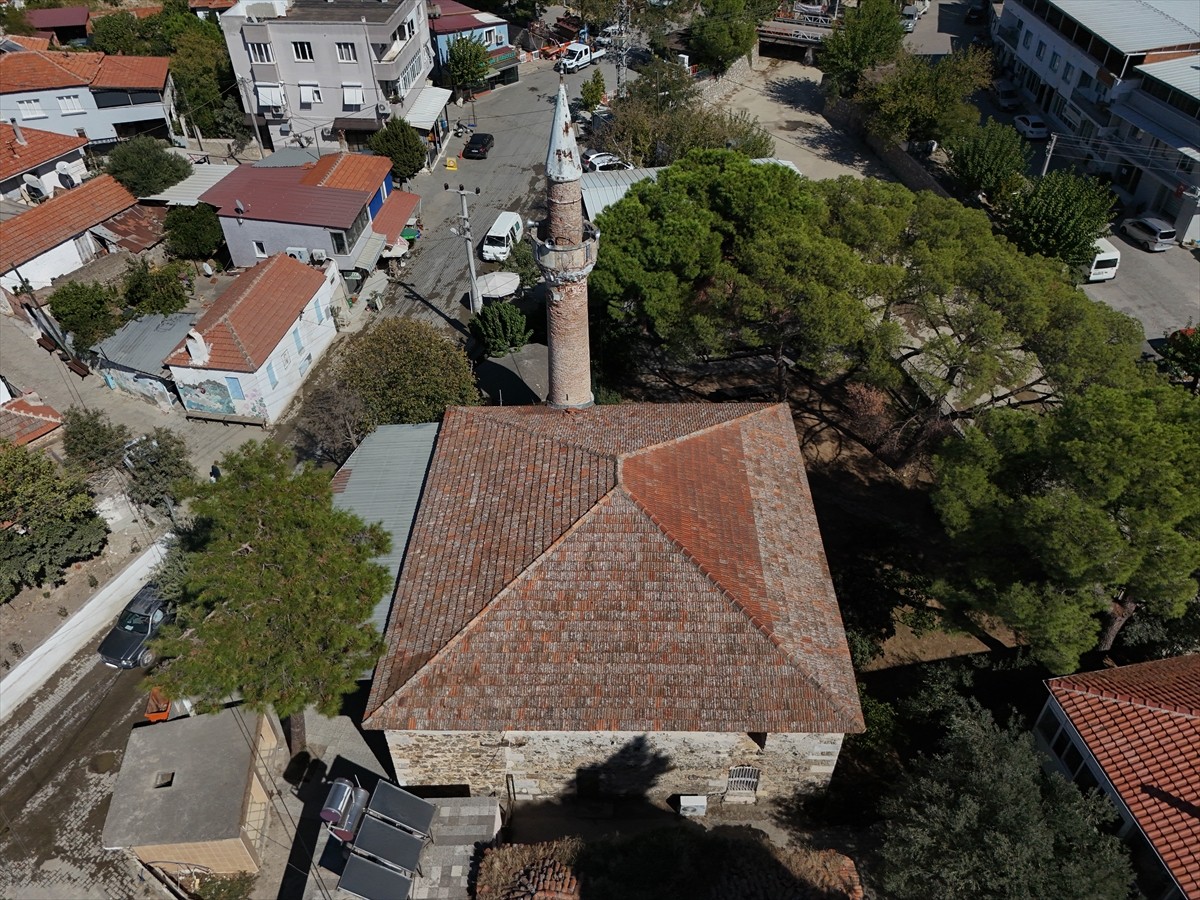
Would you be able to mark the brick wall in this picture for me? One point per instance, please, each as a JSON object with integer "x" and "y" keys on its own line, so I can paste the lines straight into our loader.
{"x": 660, "y": 764}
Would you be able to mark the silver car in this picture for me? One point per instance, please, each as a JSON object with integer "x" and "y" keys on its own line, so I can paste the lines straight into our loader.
{"x": 1152, "y": 233}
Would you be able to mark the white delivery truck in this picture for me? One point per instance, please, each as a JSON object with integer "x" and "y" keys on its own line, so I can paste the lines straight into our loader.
{"x": 506, "y": 232}
{"x": 1104, "y": 264}
{"x": 578, "y": 56}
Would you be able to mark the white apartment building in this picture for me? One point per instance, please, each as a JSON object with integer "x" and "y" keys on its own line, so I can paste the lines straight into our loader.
{"x": 1119, "y": 81}
{"x": 326, "y": 71}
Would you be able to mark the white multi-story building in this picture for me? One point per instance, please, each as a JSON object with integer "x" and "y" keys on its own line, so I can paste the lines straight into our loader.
{"x": 315, "y": 71}
{"x": 1119, "y": 82}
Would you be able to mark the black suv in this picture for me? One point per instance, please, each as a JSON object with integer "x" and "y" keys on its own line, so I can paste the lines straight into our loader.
{"x": 125, "y": 646}
{"x": 478, "y": 146}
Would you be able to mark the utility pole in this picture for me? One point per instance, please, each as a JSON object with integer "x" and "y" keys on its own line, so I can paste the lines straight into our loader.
{"x": 465, "y": 233}
{"x": 1049, "y": 153}
{"x": 262, "y": 153}
{"x": 621, "y": 46}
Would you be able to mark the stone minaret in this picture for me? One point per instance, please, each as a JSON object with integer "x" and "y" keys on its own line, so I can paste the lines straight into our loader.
{"x": 566, "y": 251}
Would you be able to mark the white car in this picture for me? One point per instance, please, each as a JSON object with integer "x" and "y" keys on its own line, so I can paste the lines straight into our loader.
{"x": 1152, "y": 233}
{"x": 1032, "y": 127}
{"x": 594, "y": 161}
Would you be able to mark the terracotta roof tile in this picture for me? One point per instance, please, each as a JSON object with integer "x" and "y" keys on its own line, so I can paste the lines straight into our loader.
{"x": 397, "y": 209}
{"x": 85, "y": 65}
{"x": 23, "y": 420}
{"x": 634, "y": 567}
{"x": 1142, "y": 725}
{"x": 147, "y": 73}
{"x": 250, "y": 319}
{"x": 349, "y": 171}
{"x": 36, "y": 70}
{"x": 29, "y": 42}
{"x": 39, "y": 147}
{"x": 59, "y": 219}
{"x": 138, "y": 12}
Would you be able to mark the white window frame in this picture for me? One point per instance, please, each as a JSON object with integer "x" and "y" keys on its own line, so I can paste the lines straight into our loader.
{"x": 315, "y": 95}
{"x": 489, "y": 37}
{"x": 348, "y": 94}
{"x": 260, "y": 250}
{"x": 409, "y": 28}
{"x": 260, "y": 53}
{"x": 69, "y": 104}
{"x": 347, "y": 52}
{"x": 302, "y": 51}
{"x": 31, "y": 109}
{"x": 409, "y": 76}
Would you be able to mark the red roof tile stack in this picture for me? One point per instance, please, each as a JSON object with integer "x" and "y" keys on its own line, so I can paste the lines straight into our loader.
{"x": 39, "y": 147}
{"x": 250, "y": 319}
{"x": 60, "y": 219}
{"x": 623, "y": 568}
{"x": 1142, "y": 725}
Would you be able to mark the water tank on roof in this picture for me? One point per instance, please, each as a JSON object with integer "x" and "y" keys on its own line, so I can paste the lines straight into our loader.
{"x": 341, "y": 792}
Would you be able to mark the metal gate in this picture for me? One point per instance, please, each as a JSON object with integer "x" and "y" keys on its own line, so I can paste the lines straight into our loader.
{"x": 743, "y": 780}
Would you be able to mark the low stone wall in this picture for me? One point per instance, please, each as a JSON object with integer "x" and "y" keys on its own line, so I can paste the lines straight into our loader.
{"x": 711, "y": 88}
{"x": 657, "y": 765}
{"x": 844, "y": 115}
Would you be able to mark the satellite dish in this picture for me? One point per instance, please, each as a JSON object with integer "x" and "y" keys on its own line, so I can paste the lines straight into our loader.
{"x": 207, "y": 270}
{"x": 239, "y": 207}
{"x": 64, "y": 175}
{"x": 32, "y": 180}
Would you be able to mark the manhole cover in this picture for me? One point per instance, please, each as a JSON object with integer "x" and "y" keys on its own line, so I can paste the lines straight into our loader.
{"x": 103, "y": 762}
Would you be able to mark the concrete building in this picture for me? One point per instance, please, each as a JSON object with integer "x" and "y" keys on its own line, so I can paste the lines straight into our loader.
{"x": 1133, "y": 732}
{"x": 314, "y": 70}
{"x": 90, "y": 95}
{"x": 194, "y": 793}
{"x": 36, "y": 164}
{"x": 450, "y": 21}
{"x": 1118, "y": 81}
{"x": 627, "y": 599}
{"x": 247, "y": 355}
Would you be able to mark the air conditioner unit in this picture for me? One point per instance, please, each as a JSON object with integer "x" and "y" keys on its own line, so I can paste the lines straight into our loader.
{"x": 300, "y": 253}
{"x": 383, "y": 109}
{"x": 693, "y": 805}
{"x": 318, "y": 255}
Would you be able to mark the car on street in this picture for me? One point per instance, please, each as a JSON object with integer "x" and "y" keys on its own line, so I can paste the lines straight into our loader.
{"x": 1031, "y": 127}
{"x": 597, "y": 161}
{"x": 125, "y": 646}
{"x": 1006, "y": 94}
{"x": 479, "y": 146}
{"x": 1152, "y": 233}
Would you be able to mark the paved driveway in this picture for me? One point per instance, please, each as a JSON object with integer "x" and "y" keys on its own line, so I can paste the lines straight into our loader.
{"x": 1160, "y": 290}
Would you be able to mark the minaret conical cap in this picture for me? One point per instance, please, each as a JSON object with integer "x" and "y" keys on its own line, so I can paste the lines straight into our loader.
{"x": 562, "y": 158}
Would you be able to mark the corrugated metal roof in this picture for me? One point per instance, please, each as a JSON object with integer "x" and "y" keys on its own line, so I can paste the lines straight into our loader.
{"x": 1181, "y": 74}
{"x": 426, "y": 107}
{"x": 602, "y": 189}
{"x": 1133, "y": 26}
{"x": 188, "y": 191}
{"x": 382, "y": 482}
{"x": 144, "y": 343}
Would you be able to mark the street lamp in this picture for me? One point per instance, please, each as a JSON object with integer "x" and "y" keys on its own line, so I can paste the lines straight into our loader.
{"x": 465, "y": 233}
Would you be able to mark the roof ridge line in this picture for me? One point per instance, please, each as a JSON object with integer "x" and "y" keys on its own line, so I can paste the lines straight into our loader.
{"x": 31, "y": 413}
{"x": 1129, "y": 699}
{"x": 458, "y": 636}
{"x": 650, "y": 448}
{"x": 542, "y": 436}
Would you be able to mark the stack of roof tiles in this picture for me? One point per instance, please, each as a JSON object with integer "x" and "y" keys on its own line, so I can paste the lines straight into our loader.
{"x": 643, "y": 567}
{"x": 1142, "y": 725}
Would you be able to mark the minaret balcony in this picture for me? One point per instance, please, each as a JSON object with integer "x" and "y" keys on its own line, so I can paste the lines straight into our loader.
{"x": 562, "y": 263}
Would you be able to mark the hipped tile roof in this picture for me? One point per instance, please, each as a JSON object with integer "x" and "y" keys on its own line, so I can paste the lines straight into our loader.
{"x": 28, "y": 41}
{"x": 250, "y": 319}
{"x": 60, "y": 219}
{"x": 281, "y": 195}
{"x": 350, "y": 171}
{"x": 39, "y": 147}
{"x": 1142, "y": 725}
{"x": 39, "y": 70}
{"x": 648, "y": 567}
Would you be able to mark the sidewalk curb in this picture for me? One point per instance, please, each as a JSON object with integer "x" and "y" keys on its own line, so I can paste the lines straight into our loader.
{"x": 37, "y": 668}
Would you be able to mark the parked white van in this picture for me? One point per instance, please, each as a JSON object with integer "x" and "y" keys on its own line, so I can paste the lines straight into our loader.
{"x": 1104, "y": 265}
{"x": 506, "y": 232}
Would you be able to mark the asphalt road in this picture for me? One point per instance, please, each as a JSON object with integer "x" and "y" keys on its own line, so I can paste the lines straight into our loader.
{"x": 60, "y": 753}
{"x": 1160, "y": 290}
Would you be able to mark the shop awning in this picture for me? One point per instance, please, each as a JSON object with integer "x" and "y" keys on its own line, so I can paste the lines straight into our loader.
{"x": 352, "y": 124}
{"x": 426, "y": 108}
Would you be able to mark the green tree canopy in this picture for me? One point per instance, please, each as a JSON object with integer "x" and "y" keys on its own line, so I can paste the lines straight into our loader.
{"x": 990, "y": 159}
{"x": 1058, "y": 215}
{"x": 400, "y": 142}
{"x": 869, "y": 35}
{"x": 153, "y": 289}
{"x": 49, "y": 520}
{"x": 280, "y": 590}
{"x": 501, "y": 328}
{"x": 1083, "y": 514}
{"x": 726, "y": 31}
{"x": 916, "y": 98}
{"x": 92, "y": 441}
{"x": 118, "y": 33}
{"x": 405, "y": 371}
{"x": 87, "y": 310}
{"x": 193, "y": 232}
{"x": 468, "y": 63}
{"x": 591, "y": 92}
{"x": 145, "y": 166}
{"x": 1181, "y": 355}
{"x": 980, "y": 818}
{"x": 160, "y": 473}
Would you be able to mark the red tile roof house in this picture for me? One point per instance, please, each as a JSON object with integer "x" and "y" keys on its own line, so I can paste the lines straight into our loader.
{"x": 90, "y": 95}
{"x": 623, "y": 599}
{"x": 1134, "y": 732}
{"x": 56, "y": 237}
{"x": 35, "y": 162}
{"x": 336, "y": 208}
{"x": 247, "y": 355}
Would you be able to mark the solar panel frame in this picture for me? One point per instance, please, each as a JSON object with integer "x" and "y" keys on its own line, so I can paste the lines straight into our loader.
{"x": 372, "y": 880}
{"x": 393, "y": 804}
{"x": 392, "y": 845}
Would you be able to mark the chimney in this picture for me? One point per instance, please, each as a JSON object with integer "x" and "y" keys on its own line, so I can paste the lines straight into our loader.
{"x": 18, "y": 133}
{"x": 566, "y": 251}
{"x": 197, "y": 348}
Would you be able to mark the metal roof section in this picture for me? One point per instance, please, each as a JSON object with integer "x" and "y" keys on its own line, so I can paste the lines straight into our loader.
{"x": 382, "y": 482}
{"x": 563, "y": 162}
{"x": 188, "y": 191}
{"x": 1134, "y": 26}
{"x": 1181, "y": 74}
{"x": 602, "y": 189}
{"x": 143, "y": 344}
{"x": 426, "y": 107}
{"x": 1185, "y": 145}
